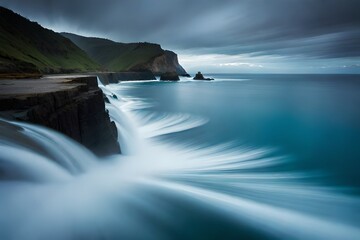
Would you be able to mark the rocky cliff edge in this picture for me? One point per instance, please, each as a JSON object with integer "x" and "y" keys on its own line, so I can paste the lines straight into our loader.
{"x": 71, "y": 105}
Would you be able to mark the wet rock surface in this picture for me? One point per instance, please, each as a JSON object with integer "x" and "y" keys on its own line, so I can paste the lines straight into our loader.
{"x": 199, "y": 76}
{"x": 169, "y": 76}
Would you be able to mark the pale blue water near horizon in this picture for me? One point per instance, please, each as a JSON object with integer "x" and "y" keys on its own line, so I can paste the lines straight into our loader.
{"x": 313, "y": 119}
{"x": 241, "y": 157}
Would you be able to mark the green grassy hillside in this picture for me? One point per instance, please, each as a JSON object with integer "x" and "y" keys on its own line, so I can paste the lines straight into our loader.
{"x": 117, "y": 56}
{"x": 27, "y": 47}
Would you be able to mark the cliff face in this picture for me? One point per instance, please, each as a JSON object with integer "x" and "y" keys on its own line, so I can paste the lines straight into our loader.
{"x": 29, "y": 50}
{"x": 74, "y": 107}
{"x": 115, "y": 56}
{"x": 166, "y": 62}
{"x": 27, "y": 47}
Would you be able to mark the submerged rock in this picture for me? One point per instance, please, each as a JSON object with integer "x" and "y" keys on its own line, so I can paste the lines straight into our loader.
{"x": 106, "y": 98}
{"x": 199, "y": 76}
{"x": 169, "y": 76}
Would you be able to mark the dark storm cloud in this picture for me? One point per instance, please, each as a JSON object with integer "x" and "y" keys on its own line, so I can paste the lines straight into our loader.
{"x": 310, "y": 28}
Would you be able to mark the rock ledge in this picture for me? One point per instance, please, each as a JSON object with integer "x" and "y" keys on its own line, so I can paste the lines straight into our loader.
{"x": 73, "y": 105}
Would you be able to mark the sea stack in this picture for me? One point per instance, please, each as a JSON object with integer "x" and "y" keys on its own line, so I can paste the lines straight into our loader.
{"x": 199, "y": 76}
{"x": 169, "y": 76}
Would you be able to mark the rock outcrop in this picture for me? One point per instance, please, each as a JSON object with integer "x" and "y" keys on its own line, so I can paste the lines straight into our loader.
{"x": 199, "y": 76}
{"x": 73, "y": 106}
{"x": 164, "y": 63}
{"x": 169, "y": 76}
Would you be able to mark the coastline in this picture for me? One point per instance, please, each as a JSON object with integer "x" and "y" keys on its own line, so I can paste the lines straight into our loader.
{"x": 71, "y": 104}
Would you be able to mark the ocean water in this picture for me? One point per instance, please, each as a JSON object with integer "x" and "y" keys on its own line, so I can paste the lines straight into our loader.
{"x": 241, "y": 157}
{"x": 312, "y": 119}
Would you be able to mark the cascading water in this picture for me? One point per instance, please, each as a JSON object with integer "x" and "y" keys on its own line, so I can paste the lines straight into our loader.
{"x": 53, "y": 188}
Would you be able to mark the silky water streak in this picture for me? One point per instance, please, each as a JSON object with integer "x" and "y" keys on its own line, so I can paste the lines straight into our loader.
{"x": 53, "y": 188}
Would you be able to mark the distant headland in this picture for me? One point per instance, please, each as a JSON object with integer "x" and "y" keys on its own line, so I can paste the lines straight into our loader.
{"x": 29, "y": 50}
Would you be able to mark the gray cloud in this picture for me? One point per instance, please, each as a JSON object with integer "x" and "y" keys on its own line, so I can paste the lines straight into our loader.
{"x": 306, "y": 28}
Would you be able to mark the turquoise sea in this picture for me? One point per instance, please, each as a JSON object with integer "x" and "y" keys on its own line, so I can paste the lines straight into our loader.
{"x": 240, "y": 157}
{"x": 314, "y": 120}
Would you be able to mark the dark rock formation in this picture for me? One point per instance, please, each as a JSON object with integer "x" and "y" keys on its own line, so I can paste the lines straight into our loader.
{"x": 116, "y": 77}
{"x": 166, "y": 62}
{"x": 106, "y": 98}
{"x": 169, "y": 76}
{"x": 199, "y": 76}
{"x": 73, "y": 106}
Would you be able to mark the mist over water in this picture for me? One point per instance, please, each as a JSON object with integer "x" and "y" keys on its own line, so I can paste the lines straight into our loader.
{"x": 186, "y": 171}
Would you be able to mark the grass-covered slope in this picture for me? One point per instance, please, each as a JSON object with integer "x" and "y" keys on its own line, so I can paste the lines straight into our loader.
{"x": 27, "y": 47}
{"x": 115, "y": 56}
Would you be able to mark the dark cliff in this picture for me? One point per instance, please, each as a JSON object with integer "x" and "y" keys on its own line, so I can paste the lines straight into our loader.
{"x": 166, "y": 62}
{"x": 29, "y": 50}
{"x": 73, "y": 106}
{"x": 115, "y": 56}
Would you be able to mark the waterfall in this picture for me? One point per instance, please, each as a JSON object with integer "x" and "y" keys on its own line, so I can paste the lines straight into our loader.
{"x": 37, "y": 152}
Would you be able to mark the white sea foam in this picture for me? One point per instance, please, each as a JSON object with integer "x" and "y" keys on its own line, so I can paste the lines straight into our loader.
{"x": 59, "y": 190}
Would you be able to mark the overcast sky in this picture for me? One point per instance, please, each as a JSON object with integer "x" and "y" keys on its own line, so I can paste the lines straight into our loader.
{"x": 262, "y": 36}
